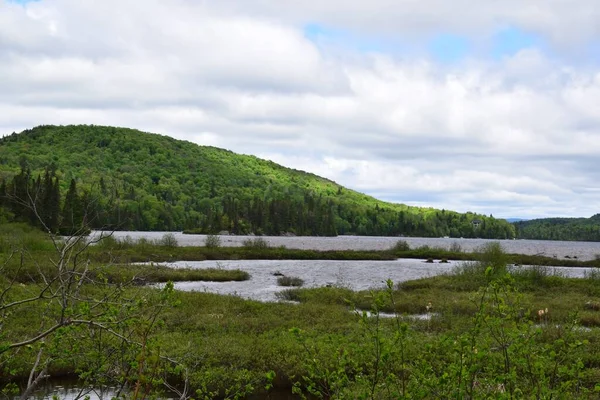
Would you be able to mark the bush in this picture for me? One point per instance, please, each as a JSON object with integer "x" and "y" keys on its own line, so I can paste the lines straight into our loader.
{"x": 213, "y": 241}
{"x": 455, "y": 247}
{"x": 493, "y": 255}
{"x": 290, "y": 281}
{"x": 256, "y": 243}
{"x": 401, "y": 245}
{"x": 108, "y": 243}
{"x": 168, "y": 240}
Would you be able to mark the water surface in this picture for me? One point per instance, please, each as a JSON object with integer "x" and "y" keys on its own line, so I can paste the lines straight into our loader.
{"x": 559, "y": 249}
{"x": 355, "y": 275}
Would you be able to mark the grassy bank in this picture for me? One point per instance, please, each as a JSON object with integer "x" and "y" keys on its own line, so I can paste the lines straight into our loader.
{"x": 159, "y": 273}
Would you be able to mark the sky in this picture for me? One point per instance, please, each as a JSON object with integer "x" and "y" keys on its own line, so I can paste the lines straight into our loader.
{"x": 485, "y": 106}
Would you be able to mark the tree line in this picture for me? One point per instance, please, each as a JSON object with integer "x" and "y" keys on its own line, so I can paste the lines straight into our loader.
{"x": 38, "y": 199}
{"x": 582, "y": 229}
{"x": 118, "y": 178}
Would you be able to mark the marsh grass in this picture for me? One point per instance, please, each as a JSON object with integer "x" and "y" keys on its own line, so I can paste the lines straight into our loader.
{"x": 160, "y": 273}
{"x": 19, "y": 236}
{"x": 289, "y": 295}
{"x": 168, "y": 240}
{"x": 212, "y": 241}
{"x": 227, "y": 341}
{"x": 256, "y": 243}
{"x": 126, "y": 252}
{"x": 400, "y": 246}
{"x": 290, "y": 281}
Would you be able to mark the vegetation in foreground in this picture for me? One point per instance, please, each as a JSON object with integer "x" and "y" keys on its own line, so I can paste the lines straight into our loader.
{"x": 483, "y": 331}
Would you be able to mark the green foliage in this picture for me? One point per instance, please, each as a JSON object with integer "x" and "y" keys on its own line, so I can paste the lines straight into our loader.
{"x": 290, "y": 281}
{"x": 400, "y": 246}
{"x": 168, "y": 240}
{"x": 212, "y": 241}
{"x": 583, "y": 229}
{"x": 500, "y": 353}
{"x": 117, "y": 178}
{"x": 146, "y": 274}
{"x": 256, "y": 243}
{"x": 68, "y": 316}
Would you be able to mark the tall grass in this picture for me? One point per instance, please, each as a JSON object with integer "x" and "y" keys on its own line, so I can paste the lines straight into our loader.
{"x": 256, "y": 243}
{"x": 143, "y": 274}
{"x": 212, "y": 241}
{"x": 290, "y": 281}
{"x": 400, "y": 246}
{"x": 19, "y": 236}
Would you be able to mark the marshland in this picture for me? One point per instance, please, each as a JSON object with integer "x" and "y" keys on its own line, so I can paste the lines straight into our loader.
{"x": 107, "y": 312}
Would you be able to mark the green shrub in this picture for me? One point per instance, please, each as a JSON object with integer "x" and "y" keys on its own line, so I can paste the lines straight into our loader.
{"x": 493, "y": 255}
{"x": 401, "y": 245}
{"x": 256, "y": 243}
{"x": 168, "y": 240}
{"x": 213, "y": 241}
{"x": 290, "y": 281}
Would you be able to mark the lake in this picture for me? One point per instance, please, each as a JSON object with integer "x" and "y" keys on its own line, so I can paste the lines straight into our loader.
{"x": 355, "y": 275}
{"x": 558, "y": 249}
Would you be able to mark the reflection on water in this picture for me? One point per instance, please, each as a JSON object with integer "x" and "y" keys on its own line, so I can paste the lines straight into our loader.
{"x": 67, "y": 389}
{"x": 355, "y": 275}
{"x": 581, "y": 250}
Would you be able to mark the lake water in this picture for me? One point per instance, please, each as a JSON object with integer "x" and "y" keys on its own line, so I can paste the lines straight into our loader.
{"x": 69, "y": 389}
{"x": 356, "y": 275}
{"x": 559, "y": 249}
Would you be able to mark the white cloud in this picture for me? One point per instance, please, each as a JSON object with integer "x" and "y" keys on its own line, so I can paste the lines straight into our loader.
{"x": 515, "y": 136}
{"x": 562, "y": 21}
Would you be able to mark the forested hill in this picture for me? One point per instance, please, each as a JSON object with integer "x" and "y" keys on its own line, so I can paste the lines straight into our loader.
{"x": 584, "y": 229}
{"x": 125, "y": 179}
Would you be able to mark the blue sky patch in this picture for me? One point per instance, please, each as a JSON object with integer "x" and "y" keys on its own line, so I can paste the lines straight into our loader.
{"x": 449, "y": 48}
{"x": 445, "y": 48}
{"x": 510, "y": 41}
{"x": 23, "y": 2}
{"x": 322, "y": 35}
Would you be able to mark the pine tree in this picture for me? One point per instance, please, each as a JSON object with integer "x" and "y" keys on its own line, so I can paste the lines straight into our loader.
{"x": 49, "y": 205}
{"x": 72, "y": 212}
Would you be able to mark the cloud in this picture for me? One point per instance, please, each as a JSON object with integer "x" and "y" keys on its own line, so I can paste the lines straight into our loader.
{"x": 558, "y": 20}
{"x": 511, "y": 131}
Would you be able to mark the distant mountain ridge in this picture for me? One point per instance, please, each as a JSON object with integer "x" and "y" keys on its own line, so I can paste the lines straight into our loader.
{"x": 125, "y": 179}
{"x": 511, "y": 220}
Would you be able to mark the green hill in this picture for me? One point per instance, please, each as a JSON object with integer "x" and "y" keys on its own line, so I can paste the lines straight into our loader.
{"x": 125, "y": 179}
{"x": 584, "y": 229}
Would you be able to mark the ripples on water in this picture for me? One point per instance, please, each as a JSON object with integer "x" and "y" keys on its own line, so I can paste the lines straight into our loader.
{"x": 581, "y": 250}
{"x": 355, "y": 275}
